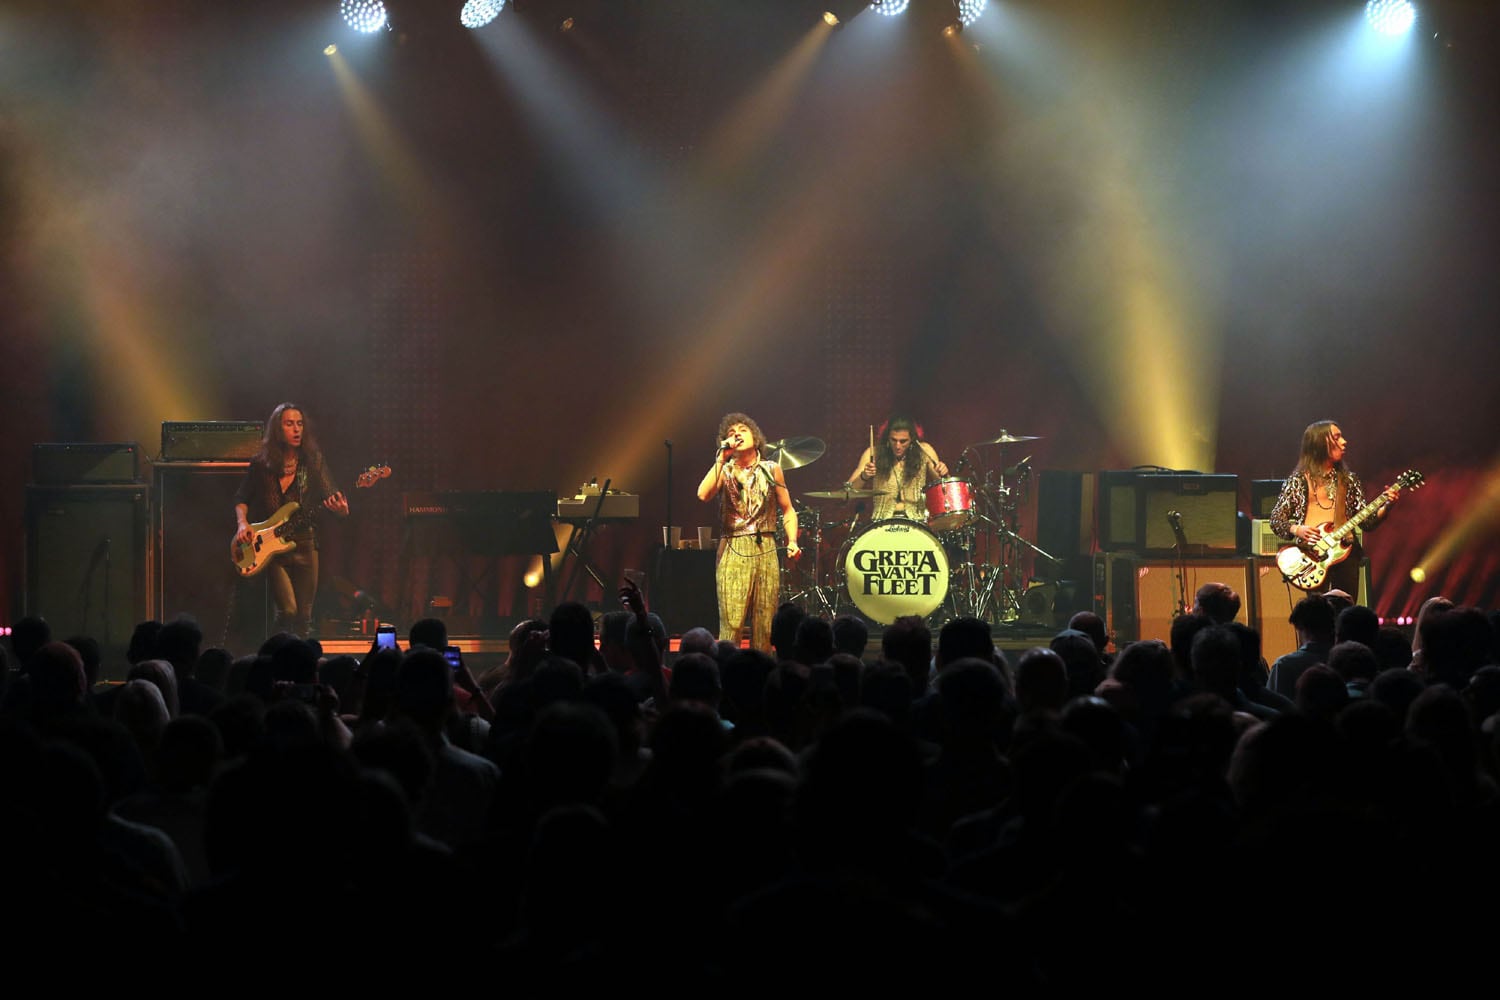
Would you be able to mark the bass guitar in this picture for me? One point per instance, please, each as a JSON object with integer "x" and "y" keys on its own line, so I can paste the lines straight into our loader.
{"x": 1305, "y": 565}
{"x": 273, "y": 536}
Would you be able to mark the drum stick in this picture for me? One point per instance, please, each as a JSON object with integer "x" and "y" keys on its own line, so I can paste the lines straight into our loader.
{"x": 872, "y": 442}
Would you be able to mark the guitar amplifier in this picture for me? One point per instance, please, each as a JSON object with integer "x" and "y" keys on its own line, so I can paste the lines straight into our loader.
{"x": 210, "y": 440}
{"x": 81, "y": 464}
{"x": 1263, "y": 541}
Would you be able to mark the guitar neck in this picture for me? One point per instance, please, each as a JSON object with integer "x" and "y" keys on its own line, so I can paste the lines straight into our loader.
{"x": 1362, "y": 515}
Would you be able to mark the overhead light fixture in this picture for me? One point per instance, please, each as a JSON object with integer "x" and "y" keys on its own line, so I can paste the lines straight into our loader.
{"x": 890, "y": 8}
{"x": 478, "y": 13}
{"x": 1391, "y": 17}
{"x": 367, "y": 16}
{"x": 969, "y": 11}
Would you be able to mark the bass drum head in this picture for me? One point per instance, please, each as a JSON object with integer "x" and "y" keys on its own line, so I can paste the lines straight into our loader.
{"x": 894, "y": 568}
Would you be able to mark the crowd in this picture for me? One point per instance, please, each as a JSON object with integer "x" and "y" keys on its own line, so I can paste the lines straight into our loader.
{"x": 925, "y": 814}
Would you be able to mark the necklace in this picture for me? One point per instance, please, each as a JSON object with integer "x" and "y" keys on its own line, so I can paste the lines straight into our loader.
{"x": 1330, "y": 485}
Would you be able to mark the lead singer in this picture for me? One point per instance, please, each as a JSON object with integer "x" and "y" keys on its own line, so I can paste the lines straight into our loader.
{"x": 748, "y": 572}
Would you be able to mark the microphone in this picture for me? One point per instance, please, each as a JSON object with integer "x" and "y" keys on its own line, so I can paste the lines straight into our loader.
{"x": 1174, "y": 518}
{"x": 727, "y": 444}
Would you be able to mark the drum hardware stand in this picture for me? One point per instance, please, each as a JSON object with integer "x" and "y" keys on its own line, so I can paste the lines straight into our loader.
{"x": 816, "y": 599}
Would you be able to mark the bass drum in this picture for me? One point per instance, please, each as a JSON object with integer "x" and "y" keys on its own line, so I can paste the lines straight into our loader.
{"x": 893, "y": 568}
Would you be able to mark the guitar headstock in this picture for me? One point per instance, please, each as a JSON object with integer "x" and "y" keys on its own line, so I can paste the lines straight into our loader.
{"x": 1411, "y": 479}
{"x": 372, "y": 475}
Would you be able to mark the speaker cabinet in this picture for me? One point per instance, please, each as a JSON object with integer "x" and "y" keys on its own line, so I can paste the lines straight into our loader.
{"x": 1275, "y": 599}
{"x": 193, "y": 523}
{"x": 87, "y": 561}
{"x": 683, "y": 590}
{"x": 1263, "y": 494}
{"x": 1133, "y": 508}
{"x": 1119, "y": 523}
{"x": 1207, "y": 505}
{"x": 1064, "y": 514}
{"x": 1142, "y": 596}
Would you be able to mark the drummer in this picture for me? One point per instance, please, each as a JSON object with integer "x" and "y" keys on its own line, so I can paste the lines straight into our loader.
{"x": 898, "y": 467}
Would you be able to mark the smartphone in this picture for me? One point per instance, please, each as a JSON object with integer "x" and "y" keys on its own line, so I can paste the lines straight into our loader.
{"x": 454, "y": 656}
{"x": 385, "y": 637}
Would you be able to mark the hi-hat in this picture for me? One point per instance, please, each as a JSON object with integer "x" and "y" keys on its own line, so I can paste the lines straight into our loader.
{"x": 795, "y": 452}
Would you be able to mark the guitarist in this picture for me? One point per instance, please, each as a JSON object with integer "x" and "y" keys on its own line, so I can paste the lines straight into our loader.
{"x": 289, "y": 467}
{"x": 1321, "y": 490}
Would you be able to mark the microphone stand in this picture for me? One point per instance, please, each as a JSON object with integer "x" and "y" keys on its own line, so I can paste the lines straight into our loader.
{"x": 668, "y": 443}
{"x": 1180, "y": 544}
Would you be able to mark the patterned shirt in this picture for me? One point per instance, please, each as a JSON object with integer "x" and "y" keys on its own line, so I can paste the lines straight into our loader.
{"x": 747, "y": 501}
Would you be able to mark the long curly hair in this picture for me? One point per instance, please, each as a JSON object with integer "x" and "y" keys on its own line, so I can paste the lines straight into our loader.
{"x": 885, "y": 458}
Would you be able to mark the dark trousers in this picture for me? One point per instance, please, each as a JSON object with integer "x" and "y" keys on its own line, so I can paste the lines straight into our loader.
{"x": 293, "y": 579}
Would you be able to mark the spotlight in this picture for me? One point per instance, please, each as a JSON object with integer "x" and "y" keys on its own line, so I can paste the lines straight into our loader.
{"x": 478, "y": 13}
{"x": 330, "y": 49}
{"x": 1391, "y": 17}
{"x": 566, "y": 25}
{"x": 364, "y": 15}
{"x": 831, "y": 19}
{"x": 890, "y": 8}
{"x": 970, "y": 10}
{"x": 952, "y": 30}
{"x": 1418, "y": 574}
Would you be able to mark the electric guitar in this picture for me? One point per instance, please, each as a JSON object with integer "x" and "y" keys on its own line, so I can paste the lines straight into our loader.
{"x": 1305, "y": 565}
{"x": 273, "y": 536}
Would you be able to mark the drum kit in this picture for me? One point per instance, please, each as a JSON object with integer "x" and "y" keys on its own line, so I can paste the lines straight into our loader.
{"x": 959, "y": 556}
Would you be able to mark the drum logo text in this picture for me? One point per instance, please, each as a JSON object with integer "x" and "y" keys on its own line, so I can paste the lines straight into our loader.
{"x": 897, "y": 572}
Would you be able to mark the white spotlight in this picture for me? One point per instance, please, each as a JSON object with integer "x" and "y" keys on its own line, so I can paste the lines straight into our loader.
{"x": 969, "y": 11}
{"x": 364, "y": 15}
{"x": 1391, "y": 17}
{"x": 478, "y": 13}
{"x": 890, "y": 8}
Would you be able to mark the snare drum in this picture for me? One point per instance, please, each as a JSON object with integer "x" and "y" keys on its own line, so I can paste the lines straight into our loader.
{"x": 950, "y": 505}
{"x": 895, "y": 567}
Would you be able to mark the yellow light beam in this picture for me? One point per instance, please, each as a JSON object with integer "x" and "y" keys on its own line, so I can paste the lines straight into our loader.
{"x": 751, "y": 123}
{"x": 399, "y": 169}
{"x": 1479, "y": 520}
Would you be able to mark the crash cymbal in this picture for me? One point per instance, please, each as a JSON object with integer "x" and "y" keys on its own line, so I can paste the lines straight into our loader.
{"x": 849, "y": 494}
{"x": 1006, "y": 437}
{"x": 795, "y": 452}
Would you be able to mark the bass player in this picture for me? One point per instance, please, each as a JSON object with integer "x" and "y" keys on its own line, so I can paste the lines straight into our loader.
{"x": 288, "y": 467}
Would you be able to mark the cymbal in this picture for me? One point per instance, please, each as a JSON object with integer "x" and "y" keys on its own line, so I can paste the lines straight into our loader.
{"x": 849, "y": 494}
{"x": 795, "y": 452}
{"x": 1006, "y": 437}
